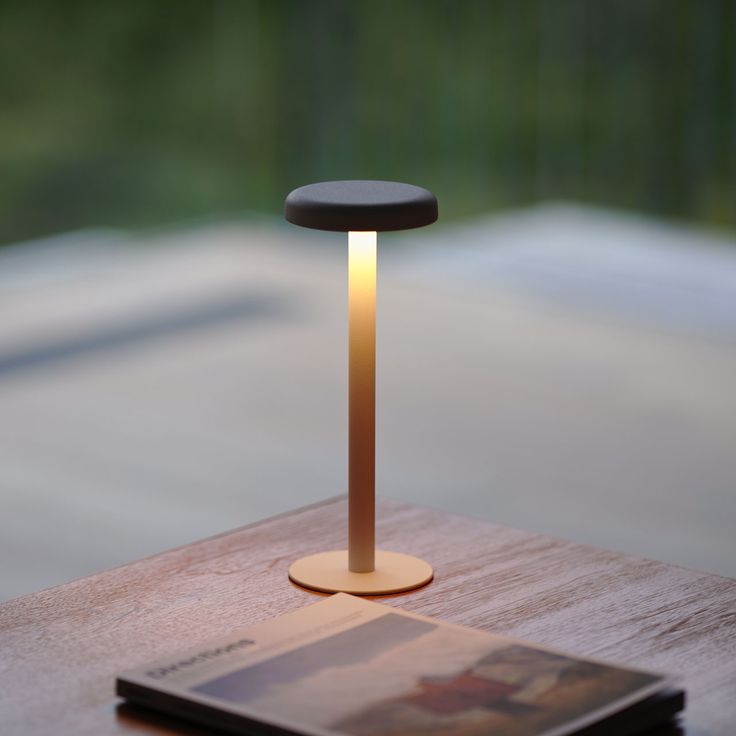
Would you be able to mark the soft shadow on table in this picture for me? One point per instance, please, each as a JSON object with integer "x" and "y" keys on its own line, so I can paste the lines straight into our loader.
{"x": 670, "y": 729}
{"x": 151, "y": 721}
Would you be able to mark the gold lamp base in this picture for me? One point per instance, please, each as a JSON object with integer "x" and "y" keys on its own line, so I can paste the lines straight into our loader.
{"x": 328, "y": 572}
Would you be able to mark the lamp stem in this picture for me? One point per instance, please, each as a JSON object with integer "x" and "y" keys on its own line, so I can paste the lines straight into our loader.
{"x": 361, "y": 401}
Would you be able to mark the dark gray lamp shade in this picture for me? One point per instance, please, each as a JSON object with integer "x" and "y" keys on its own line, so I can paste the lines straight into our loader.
{"x": 360, "y": 205}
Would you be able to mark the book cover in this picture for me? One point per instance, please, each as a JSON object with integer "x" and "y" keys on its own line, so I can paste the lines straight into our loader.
{"x": 350, "y": 666}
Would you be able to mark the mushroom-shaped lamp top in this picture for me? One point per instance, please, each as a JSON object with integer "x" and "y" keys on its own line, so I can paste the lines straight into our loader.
{"x": 360, "y": 205}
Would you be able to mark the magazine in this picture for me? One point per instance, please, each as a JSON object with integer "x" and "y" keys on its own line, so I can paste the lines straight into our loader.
{"x": 350, "y": 666}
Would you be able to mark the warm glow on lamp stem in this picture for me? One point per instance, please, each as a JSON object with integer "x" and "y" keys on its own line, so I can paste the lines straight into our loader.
{"x": 362, "y": 400}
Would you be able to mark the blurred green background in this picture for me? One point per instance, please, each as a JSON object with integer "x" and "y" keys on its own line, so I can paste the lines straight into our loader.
{"x": 143, "y": 112}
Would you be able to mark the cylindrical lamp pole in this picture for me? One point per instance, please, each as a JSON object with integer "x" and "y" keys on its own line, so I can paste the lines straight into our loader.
{"x": 361, "y": 400}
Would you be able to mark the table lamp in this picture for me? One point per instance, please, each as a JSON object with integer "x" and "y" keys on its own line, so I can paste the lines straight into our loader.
{"x": 361, "y": 208}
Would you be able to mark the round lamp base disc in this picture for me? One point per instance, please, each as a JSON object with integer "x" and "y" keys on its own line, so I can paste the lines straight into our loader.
{"x": 328, "y": 572}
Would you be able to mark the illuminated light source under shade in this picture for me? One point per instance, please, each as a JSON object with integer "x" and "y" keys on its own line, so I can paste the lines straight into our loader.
{"x": 361, "y": 208}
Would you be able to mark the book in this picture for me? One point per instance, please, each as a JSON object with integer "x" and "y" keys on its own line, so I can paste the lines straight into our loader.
{"x": 352, "y": 667}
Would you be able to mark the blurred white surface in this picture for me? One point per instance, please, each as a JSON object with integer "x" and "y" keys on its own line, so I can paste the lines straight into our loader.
{"x": 561, "y": 369}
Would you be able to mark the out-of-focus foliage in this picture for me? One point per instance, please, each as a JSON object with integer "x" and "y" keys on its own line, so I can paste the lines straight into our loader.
{"x": 137, "y": 112}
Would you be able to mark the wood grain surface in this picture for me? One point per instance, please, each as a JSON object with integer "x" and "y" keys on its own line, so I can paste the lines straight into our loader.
{"x": 61, "y": 648}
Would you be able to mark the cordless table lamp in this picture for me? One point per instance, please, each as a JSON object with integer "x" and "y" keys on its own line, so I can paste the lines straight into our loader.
{"x": 361, "y": 208}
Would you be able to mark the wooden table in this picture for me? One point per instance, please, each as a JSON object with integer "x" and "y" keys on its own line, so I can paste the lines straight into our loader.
{"x": 60, "y": 649}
